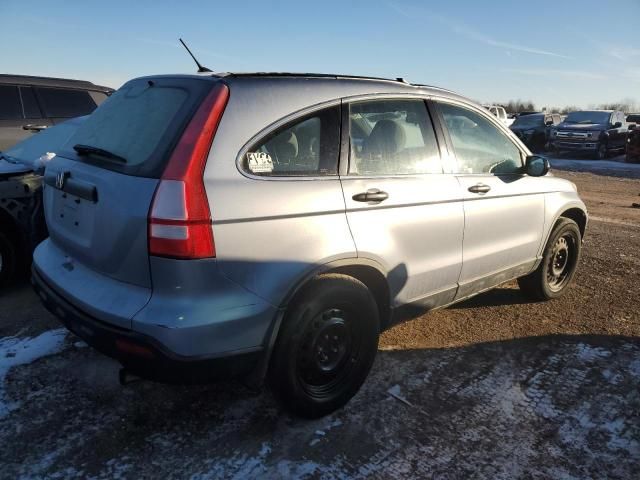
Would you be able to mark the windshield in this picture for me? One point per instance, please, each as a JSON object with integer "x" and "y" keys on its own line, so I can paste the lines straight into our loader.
{"x": 49, "y": 140}
{"x": 588, "y": 117}
{"x": 529, "y": 121}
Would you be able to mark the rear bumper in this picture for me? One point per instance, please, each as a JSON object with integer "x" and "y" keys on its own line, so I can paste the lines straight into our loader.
{"x": 140, "y": 353}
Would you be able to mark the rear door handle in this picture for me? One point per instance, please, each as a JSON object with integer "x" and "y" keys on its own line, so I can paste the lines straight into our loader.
{"x": 371, "y": 195}
{"x": 35, "y": 128}
{"x": 479, "y": 188}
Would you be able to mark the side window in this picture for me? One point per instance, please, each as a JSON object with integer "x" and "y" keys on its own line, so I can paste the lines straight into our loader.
{"x": 306, "y": 147}
{"x": 31, "y": 108}
{"x": 392, "y": 137}
{"x": 480, "y": 147}
{"x": 98, "y": 97}
{"x": 10, "y": 108}
{"x": 61, "y": 103}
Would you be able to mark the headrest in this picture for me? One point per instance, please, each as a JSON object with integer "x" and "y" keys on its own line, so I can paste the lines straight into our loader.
{"x": 285, "y": 146}
{"x": 386, "y": 138}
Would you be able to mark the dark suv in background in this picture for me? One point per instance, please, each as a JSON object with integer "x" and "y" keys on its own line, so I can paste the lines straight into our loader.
{"x": 30, "y": 104}
{"x": 534, "y": 129}
{"x": 633, "y": 139}
{"x": 597, "y": 132}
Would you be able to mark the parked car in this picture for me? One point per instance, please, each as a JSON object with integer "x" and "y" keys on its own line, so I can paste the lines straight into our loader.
{"x": 597, "y": 132}
{"x": 22, "y": 224}
{"x": 534, "y": 129}
{"x": 270, "y": 225}
{"x": 500, "y": 114}
{"x": 633, "y": 138}
{"x": 31, "y": 104}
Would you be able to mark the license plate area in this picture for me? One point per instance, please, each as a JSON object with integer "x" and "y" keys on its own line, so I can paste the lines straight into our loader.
{"x": 75, "y": 215}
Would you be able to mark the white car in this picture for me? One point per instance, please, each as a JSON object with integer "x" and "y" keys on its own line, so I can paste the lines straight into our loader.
{"x": 500, "y": 113}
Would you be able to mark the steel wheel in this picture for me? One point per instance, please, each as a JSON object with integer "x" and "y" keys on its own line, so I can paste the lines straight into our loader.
{"x": 560, "y": 263}
{"x": 327, "y": 353}
{"x": 326, "y": 345}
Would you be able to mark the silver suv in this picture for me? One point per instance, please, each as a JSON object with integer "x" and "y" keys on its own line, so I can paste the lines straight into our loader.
{"x": 270, "y": 225}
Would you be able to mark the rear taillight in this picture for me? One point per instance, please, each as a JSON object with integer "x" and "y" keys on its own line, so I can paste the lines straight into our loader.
{"x": 180, "y": 218}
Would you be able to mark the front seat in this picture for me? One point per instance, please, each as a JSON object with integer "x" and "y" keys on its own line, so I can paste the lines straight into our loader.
{"x": 385, "y": 140}
{"x": 284, "y": 147}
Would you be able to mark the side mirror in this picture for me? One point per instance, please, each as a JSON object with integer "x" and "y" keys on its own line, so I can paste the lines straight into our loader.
{"x": 617, "y": 125}
{"x": 548, "y": 123}
{"x": 536, "y": 166}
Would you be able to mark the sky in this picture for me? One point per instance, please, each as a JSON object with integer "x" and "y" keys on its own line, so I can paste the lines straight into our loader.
{"x": 553, "y": 53}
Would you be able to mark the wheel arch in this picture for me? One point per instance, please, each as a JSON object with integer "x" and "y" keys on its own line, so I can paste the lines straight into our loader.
{"x": 576, "y": 214}
{"x": 369, "y": 272}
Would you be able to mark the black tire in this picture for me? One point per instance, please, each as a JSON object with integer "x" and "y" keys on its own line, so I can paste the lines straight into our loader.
{"x": 601, "y": 152}
{"x": 8, "y": 260}
{"x": 326, "y": 345}
{"x": 558, "y": 266}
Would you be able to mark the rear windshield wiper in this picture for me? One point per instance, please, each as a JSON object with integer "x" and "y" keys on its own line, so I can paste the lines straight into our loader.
{"x": 101, "y": 152}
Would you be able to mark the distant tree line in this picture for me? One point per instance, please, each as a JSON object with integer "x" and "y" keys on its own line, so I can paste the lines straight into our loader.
{"x": 517, "y": 106}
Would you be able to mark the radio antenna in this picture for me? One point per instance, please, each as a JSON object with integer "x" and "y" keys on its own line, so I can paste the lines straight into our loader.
{"x": 200, "y": 67}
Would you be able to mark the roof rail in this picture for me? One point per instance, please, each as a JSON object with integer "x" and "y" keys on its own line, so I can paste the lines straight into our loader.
{"x": 326, "y": 75}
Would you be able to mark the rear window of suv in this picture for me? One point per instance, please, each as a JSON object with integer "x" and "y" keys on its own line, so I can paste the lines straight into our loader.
{"x": 65, "y": 103}
{"x": 140, "y": 123}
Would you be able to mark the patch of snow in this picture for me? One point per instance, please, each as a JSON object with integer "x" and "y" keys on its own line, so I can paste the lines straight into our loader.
{"x": 587, "y": 353}
{"x": 16, "y": 351}
{"x": 287, "y": 469}
{"x": 396, "y": 392}
{"x": 634, "y": 368}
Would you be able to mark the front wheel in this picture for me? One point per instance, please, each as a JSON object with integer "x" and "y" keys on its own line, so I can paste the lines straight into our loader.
{"x": 326, "y": 346}
{"x": 8, "y": 260}
{"x": 601, "y": 152}
{"x": 559, "y": 263}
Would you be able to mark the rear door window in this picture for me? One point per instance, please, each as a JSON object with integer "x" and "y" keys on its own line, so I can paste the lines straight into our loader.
{"x": 392, "y": 137}
{"x": 308, "y": 146}
{"x": 64, "y": 103}
{"x": 10, "y": 108}
{"x": 140, "y": 123}
{"x": 29, "y": 103}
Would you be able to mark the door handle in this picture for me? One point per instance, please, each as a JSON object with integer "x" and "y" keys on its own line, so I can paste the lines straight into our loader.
{"x": 371, "y": 195}
{"x": 35, "y": 128}
{"x": 479, "y": 188}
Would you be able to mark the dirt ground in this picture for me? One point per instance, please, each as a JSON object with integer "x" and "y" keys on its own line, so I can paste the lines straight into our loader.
{"x": 496, "y": 387}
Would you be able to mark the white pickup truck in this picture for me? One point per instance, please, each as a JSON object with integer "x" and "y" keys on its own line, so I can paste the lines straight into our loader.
{"x": 500, "y": 113}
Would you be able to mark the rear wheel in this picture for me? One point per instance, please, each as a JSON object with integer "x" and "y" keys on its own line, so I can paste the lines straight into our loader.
{"x": 8, "y": 260}
{"x": 326, "y": 346}
{"x": 559, "y": 263}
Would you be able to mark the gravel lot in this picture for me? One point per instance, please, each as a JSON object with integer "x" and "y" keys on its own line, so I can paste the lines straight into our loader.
{"x": 495, "y": 387}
